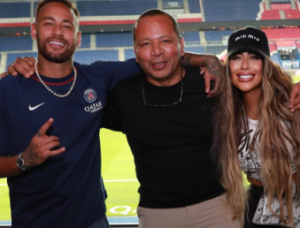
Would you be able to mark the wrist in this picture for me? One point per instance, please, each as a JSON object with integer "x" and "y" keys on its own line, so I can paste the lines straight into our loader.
{"x": 21, "y": 163}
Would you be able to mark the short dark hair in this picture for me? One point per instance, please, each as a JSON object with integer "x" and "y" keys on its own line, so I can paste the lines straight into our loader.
{"x": 156, "y": 12}
{"x": 68, "y": 3}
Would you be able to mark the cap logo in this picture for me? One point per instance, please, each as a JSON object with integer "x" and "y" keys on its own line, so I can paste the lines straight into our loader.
{"x": 250, "y": 36}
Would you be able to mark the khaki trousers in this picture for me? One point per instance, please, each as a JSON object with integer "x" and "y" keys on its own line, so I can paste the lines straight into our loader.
{"x": 207, "y": 214}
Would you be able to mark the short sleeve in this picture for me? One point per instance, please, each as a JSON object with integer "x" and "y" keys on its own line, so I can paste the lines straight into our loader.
{"x": 115, "y": 72}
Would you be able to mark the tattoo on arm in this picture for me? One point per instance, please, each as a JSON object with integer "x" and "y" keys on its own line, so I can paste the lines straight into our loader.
{"x": 214, "y": 67}
{"x": 30, "y": 156}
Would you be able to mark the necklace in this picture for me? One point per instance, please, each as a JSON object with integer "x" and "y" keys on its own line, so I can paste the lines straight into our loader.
{"x": 50, "y": 90}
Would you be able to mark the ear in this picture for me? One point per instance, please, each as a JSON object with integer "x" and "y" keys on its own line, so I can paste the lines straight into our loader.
{"x": 79, "y": 38}
{"x": 181, "y": 46}
{"x": 33, "y": 31}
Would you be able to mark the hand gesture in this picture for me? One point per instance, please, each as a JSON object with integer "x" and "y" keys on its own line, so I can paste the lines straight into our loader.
{"x": 40, "y": 147}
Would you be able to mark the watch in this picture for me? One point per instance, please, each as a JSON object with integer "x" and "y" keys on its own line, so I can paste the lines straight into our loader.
{"x": 21, "y": 163}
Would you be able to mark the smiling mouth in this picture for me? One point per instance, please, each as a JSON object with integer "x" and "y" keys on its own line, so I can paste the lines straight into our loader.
{"x": 159, "y": 65}
{"x": 246, "y": 76}
{"x": 57, "y": 43}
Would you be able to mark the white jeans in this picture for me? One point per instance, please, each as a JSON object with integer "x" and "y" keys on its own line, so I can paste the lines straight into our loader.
{"x": 207, "y": 214}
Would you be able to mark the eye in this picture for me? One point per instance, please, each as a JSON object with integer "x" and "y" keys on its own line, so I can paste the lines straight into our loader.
{"x": 166, "y": 41}
{"x": 145, "y": 44}
{"x": 67, "y": 27}
{"x": 254, "y": 56}
{"x": 48, "y": 23}
{"x": 236, "y": 57}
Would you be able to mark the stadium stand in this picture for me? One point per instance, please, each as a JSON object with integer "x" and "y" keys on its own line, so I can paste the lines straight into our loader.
{"x": 85, "y": 41}
{"x": 107, "y": 8}
{"x": 280, "y": 11}
{"x": 216, "y": 50}
{"x": 194, "y": 6}
{"x": 191, "y": 38}
{"x": 273, "y": 47}
{"x": 15, "y": 43}
{"x": 87, "y": 57}
{"x": 197, "y": 49}
{"x": 129, "y": 53}
{"x": 211, "y": 36}
{"x": 114, "y": 39}
{"x": 231, "y": 10}
{"x": 276, "y": 58}
{"x": 12, "y": 56}
{"x": 288, "y": 33}
{"x": 14, "y": 9}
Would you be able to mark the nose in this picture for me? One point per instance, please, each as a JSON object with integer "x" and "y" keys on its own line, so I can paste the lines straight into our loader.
{"x": 157, "y": 49}
{"x": 245, "y": 63}
{"x": 57, "y": 30}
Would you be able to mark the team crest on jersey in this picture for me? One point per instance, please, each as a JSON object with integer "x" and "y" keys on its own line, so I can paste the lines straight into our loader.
{"x": 90, "y": 95}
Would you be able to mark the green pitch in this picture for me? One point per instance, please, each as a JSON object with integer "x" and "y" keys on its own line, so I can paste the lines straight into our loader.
{"x": 118, "y": 173}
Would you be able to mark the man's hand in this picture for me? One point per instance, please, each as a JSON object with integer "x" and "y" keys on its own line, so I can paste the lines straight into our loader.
{"x": 40, "y": 147}
{"x": 208, "y": 78}
{"x": 295, "y": 97}
{"x": 24, "y": 66}
{"x": 210, "y": 65}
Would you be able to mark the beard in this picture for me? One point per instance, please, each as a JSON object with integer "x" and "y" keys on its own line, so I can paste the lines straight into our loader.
{"x": 55, "y": 57}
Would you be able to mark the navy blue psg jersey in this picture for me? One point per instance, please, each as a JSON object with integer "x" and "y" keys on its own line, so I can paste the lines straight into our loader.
{"x": 66, "y": 191}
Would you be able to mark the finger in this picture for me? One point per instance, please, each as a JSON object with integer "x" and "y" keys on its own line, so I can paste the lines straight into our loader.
{"x": 56, "y": 152}
{"x": 295, "y": 108}
{"x": 11, "y": 70}
{"x": 202, "y": 70}
{"x": 48, "y": 139}
{"x": 3, "y": 75}
{"x": 295, "y": 91}
{"x": 24, "y": 66}
{"x": 295, "y": 101}
{"x": 207, "y": 82}
{"x": 30, "y": 60}
{"x": 45, "y": 127}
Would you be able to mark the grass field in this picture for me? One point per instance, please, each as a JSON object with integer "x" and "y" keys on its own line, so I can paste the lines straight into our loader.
{"x": 118, "y": 172}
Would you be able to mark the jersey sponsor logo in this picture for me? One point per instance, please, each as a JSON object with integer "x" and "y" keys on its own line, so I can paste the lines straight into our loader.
{"x": 90, "y": 95}
{"x": 32, "y": 108}
{"x": 93, "y": 107}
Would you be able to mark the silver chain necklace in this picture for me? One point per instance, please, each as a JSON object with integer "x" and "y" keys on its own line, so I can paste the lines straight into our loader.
{"x": 50, "y": 90}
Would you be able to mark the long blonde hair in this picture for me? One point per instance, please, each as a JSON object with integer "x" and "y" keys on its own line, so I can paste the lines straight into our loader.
{"x": 278, "y": 127}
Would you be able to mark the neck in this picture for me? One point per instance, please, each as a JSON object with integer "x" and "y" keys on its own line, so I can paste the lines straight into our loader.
{"x": 171, "y": 80}
{"x": 251, "y": 102}
{"x": 54, "y": 70}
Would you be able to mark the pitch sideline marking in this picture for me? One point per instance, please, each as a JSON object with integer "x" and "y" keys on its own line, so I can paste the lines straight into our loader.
{"x": 125, "y": 180}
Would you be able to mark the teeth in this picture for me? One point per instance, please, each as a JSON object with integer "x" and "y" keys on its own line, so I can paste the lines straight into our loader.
{"x": 246, "y": 76}
{"x": 56, "y": 43}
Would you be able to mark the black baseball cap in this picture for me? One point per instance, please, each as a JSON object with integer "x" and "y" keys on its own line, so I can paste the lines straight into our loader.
{"x": 250, "y": 39}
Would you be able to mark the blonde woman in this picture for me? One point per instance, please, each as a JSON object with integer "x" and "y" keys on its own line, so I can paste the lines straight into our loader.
{"x": 257, "y": 133}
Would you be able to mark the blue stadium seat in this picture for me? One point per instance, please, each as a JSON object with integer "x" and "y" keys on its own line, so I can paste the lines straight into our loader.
{"x": 231, "y": 10}
{"x": 194, "y": 6}
{"x": 11, "y": 57}
{"x": 14, "y": 9}
{"x": 195, "y": 49}
{"x": 191, "y": 38}
{"x": 215, "y": 50}
{"x": 216, "y": 35}
{"x": 276, "y": 58}
{"x": 107, "y": 7}
{"x": 114, "y": 39}
{"x": 129, "y": 54}
{"x": 87, "y": 57}
{"x": 86, "y": 41}
{"x": 15, "y": 43}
